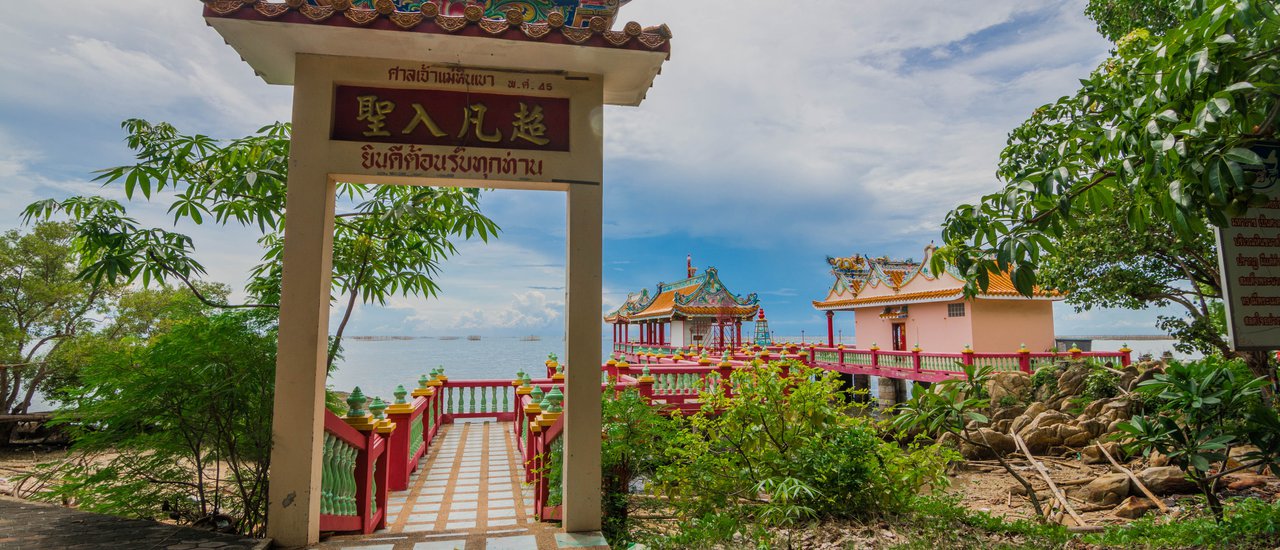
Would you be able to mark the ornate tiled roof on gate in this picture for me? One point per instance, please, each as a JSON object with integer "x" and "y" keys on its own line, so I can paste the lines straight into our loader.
{"x": 430, "y": 17}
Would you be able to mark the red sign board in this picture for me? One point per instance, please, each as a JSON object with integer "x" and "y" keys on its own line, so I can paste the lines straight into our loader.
{"x": 448, "y": 118}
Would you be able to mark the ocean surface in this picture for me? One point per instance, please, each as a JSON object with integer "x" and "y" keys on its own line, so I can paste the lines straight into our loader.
{"x": 378, "y": 366}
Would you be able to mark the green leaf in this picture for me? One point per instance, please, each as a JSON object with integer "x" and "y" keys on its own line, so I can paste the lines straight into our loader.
{"x": 1244, "y": 156}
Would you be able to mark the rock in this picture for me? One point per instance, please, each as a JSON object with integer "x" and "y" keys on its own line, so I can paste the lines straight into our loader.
{"x": 1002, "y": 443}
{"x": 1002, "y": 426}
{"x": 1153, "y": 369}
{"x": 1094, "y": 426}
{"x": 1042, "y": 432}
{"x": 1127, "y": 376}
{"x": 1240, "y": 482}
{"x": 1166, "y": 480}
{"x": 1015, "y": 384}
{"x": 1027, "y": 416}
{"x": 1091, "y": 454}
{"x": 1116, "y": 409}
{"x": 1072, "y": 380}
{"x": 1006, "y": 413}
{"x": 949, "y": 440}
{"x": 1133, "y": 507}
{"x": 1237, "y": 457}
{"x": 1157, "y": 459}
{"x": 1107, "y": 489}
{"x": 1076, "y": 437}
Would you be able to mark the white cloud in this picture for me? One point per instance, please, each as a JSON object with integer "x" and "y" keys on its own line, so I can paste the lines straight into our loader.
{"x": 496, "y": 286}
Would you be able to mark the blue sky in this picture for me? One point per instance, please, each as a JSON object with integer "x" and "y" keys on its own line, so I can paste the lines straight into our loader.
{"x": 766, "y": 144}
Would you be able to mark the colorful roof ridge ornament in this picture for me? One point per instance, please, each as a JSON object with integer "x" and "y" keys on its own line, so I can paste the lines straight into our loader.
{"x": 576, "y": 22}
{"x": 697, "y": 296}
{"x": 864, "y": 281}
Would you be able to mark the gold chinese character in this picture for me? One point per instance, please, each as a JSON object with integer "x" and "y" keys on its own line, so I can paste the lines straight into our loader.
{"x": 529, "y": 126}
{"x": 421, "y": 117}
{"x": 473, "y": 116}
{"x": 375, "y": 113}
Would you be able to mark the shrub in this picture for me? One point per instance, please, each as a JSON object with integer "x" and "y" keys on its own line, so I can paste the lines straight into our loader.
{"x": 178, "y": 427}
{"x": 1101, "y": 384}
{"x": 636, "y": 440}
{"x": 1203, "y": 410}
{"x": 1046, "y": 376}
{"x": 783, "y": 450}
{"x": 1246, "y": 524}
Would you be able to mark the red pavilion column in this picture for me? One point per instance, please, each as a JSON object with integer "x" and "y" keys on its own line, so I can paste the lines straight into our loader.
{"x": 737, "y": 337}
{"x": 831, "y": 328}
{"x": 662, "y": 334}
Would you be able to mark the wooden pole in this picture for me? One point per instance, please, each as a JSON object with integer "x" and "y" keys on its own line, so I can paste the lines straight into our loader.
{"x": 1053, "y": 488}
{"x": 1133, "y": 479}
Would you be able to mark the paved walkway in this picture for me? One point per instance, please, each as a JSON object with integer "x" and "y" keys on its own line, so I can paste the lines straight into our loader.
{"x": 30, "y": 525}
{"x": 467, "y": 494}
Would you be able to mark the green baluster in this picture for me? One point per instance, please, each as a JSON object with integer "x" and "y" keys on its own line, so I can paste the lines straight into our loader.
{"x": 484, "y": 400}
{"x": 506, "y": 407}
{"x": 448, "y": 407}
{"x": 471, "y": 403}
{"x": 373, "y": 492}
{"x": 326, "y": 476}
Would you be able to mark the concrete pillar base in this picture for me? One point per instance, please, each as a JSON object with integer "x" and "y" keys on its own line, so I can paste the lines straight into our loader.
{"x": 888, "y": 390}
{"x": 862, "y": 382}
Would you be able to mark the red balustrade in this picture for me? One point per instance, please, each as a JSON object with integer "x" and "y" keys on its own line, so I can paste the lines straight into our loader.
{"x": 370, "y": 479}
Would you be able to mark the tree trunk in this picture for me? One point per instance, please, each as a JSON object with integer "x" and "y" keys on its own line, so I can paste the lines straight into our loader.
{"x": 1259, "y": 364}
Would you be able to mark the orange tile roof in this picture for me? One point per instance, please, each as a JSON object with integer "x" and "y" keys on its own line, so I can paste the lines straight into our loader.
{"x": 1000, "y": 285}
{"x": 907, "y": 296}
{"x": 663, "y": 304}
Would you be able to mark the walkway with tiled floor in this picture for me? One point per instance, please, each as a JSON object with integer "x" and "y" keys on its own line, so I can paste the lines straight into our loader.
{"x": 467, "y": 494}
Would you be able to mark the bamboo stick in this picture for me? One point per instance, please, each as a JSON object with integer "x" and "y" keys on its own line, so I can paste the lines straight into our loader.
{"x": 1134, "y": 479}
{"x": 1053, "y": 488}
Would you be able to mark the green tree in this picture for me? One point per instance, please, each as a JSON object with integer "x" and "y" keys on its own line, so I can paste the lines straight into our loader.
{"x": 1104, "y": 263}
{"x": 388, "y": 240}
{"x": 42, "y": 306}
{"x": 175, "y": 426}
{"x": 1166, "y": 124}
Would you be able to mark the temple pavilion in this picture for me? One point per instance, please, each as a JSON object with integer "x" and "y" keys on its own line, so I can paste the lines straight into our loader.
{"x": 900, "y": 305}
{"x": 695, "y": 311}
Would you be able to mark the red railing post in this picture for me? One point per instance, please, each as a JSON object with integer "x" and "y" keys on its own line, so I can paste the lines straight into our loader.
{"x": 1024, "y": 359}
{"x": 401, "y": 414}
{"x": 1126, "y": 355}
{"x": 967, "y": 355}
{"x": 1075, "y": 353}
{"x": 875, "y": 356}
{"x": 726, "y": 378}
{"x": 645, "y": 385}
{"x": 840, "y": 355}
{"x": 915, "y": 358}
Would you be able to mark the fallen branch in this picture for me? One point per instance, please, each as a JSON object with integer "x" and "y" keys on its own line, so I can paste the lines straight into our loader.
{"x": 1053, "y": 488}
{"x": 1133, "y": 479}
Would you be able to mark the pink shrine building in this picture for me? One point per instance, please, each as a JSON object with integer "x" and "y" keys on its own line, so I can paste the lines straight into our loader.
{"x": 901, "y": 305}
{"x": 695, "y": 311}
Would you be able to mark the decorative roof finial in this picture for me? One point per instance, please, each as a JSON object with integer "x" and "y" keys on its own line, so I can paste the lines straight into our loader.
{"x": 688, "y": 263}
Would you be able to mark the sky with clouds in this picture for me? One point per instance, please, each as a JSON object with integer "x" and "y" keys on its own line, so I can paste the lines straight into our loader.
{"x": 764, "y": 146}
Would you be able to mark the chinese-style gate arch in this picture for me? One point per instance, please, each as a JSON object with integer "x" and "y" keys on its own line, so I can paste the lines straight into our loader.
{"x": 500, "y": 94}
